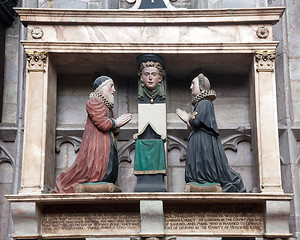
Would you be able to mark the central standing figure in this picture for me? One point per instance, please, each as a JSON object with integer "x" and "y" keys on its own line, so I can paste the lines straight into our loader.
{"x": 150, "y": 157}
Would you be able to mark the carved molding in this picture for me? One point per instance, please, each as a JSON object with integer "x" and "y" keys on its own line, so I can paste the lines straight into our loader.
{"x": 36, "y": 61}
{"x": 139, "y": 47}
{"x": 75, "y": 141}
{"x": 125, "y": 150}
{"x": 262, "y": 32}
{"x": 37, "y": 33}
{"x": 265, "y": 61}
{"x": 5, "y": 156}
{"x": 232, "y": 141}
{"x": 174, "y": 142}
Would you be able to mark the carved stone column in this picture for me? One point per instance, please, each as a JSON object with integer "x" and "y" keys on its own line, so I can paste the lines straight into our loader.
{"x": 264, "y": 121}
{"x": 39, "y": 125}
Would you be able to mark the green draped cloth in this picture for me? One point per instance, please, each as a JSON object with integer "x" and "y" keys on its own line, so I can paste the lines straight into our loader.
{"x": 149, "y": 157}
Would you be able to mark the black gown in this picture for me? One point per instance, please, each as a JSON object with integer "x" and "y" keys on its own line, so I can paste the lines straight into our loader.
{"x": 206, "y": 159}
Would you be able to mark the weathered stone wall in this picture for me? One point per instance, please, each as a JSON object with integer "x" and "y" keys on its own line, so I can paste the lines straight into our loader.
{"x": 10, "y": 93}
{"x": 288, "y": 92}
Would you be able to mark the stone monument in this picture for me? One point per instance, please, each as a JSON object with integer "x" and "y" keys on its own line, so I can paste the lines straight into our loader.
{"x": 112, "y": 36}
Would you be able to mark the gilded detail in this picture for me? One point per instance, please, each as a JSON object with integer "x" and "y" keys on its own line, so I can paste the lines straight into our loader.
{"x": 193, "y": 115}
{"x": 36, "y": 60}
{"x": 265, "y": 61}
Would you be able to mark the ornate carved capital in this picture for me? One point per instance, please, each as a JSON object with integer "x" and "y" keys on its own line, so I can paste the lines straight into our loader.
{"x": 36, "y": 61}
{"x": 265, "y": 61}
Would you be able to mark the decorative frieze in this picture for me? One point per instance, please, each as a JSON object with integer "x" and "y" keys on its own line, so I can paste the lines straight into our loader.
{"x": 36, "y": 61}
{"x": 265, "y": 61}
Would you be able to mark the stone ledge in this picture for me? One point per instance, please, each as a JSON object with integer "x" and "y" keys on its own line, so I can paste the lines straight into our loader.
{"x": 162, "y": 16}
{"x": 189, "y": 214}
{"x": 170, "y": 48}
{"x": 136, "y": 197}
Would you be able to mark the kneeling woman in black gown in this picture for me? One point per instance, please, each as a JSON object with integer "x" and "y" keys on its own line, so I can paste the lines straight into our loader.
{"x": 206, "y": 161}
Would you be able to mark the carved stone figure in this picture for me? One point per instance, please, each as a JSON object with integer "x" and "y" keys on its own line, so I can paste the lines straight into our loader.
{"x": 151, "y": 79}
{"x": 97, "y": 160}
{"x": 206, "y": 163}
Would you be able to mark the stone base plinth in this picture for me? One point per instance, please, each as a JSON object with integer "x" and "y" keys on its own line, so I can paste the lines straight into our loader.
{"x": 98, "y": 188}
{"x": 150, "y": 183}
{"x": 190, "y": 187}
{"x": 107, "y": 215}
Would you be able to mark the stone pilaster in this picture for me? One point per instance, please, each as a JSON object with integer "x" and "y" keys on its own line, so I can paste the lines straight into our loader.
{"x": 264, "y": 121}
{"x": 39, "y": 124}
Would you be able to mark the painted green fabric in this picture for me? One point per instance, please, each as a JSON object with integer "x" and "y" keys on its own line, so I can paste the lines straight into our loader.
{"x": 95, "y": 183}
{"x": 207, "y": 184}
{"x": 149, "y": 157}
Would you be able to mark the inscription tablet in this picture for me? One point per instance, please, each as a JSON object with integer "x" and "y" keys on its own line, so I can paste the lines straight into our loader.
{"x": 213, "y": 218}
{"x": 106, "y": 219}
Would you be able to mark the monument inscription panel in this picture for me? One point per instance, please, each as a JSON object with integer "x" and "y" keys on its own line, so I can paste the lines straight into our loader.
{"x": 214, "y": 218}
{"x": 106, "y": 219}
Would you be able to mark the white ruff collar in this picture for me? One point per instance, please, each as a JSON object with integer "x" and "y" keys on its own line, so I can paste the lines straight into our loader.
{"x": 206, "y": 93}
{"x": 107, "y": 103}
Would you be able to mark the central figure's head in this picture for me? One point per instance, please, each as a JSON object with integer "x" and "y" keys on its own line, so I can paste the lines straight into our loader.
{"x": 151, "y": 78}
{"x": 151, "y": 74}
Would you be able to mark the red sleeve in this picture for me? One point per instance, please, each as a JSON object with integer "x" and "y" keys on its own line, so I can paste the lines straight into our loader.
{"x": 99, "y": 114}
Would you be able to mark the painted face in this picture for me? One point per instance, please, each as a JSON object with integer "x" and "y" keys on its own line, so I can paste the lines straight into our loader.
{"x": 150, "y": 77}
{"x": 108, "y": 90}
{"x": 195, "y": 87}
